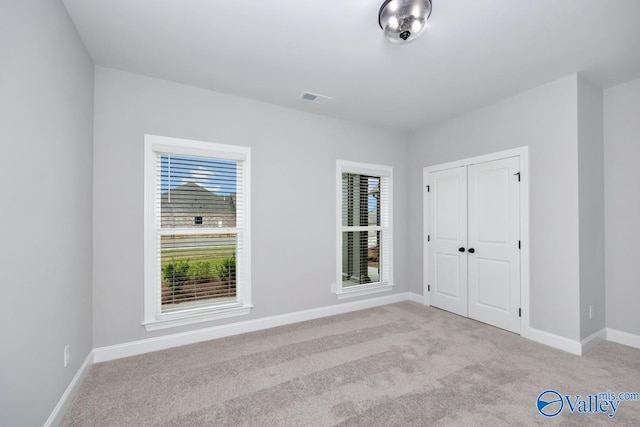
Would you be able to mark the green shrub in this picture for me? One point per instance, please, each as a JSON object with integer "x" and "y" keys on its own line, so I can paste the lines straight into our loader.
{"x": 226, "y": 270}
{"x": 175, "y": 274}
{"x": 202, "y": 271}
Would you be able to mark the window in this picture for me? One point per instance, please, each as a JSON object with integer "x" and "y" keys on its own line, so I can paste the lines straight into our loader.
{"x": 365, "y": 239}
{"x": 196, "y": 232}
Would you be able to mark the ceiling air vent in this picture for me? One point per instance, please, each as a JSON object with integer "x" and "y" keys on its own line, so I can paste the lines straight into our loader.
{"x": 316, "y": 98}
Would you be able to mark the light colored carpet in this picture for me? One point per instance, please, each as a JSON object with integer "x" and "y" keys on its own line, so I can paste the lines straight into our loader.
{"x": 397, "y": 365}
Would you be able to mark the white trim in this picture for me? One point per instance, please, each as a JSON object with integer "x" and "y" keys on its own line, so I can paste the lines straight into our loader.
{"x": 523, "y": 154}
{"x": 387, "y": 278}
{"x": 118, "y": 351}
{"x": 624, "y": 338}
{"x": 192, "y": 147}
{"x": 153, "y": 319}
{"x": 364, "y": 168}
{"x": 514, "y": 152}
{"x": 197, "y": 231}
{"x": 361, "y": 290}
{"x": 182, "y": 318}
{"x": 593, "y": 340}
{"x": 425, "y": 241}
{"x": 416, "y": 298}
{"x": 346, "y": 228}
{"x": 70, "y": 393}
{"x": 555, "y": 341}
{"x": 103, "y": 354}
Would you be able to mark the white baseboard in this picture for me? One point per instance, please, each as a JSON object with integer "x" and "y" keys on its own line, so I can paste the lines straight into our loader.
{"x": 416, "y": 297}
{"x": 578, "y": 348}
{"x": 103, "y": 354}
{"x": 67, "y": 397}
{"x": 593, "y": 340}
{"x": 556, "y": 341}
{"x": 624, "y": 338}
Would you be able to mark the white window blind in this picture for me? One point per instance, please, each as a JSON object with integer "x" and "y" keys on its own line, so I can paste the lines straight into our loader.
{"x": 198, "y": 258}
{"x": 196, "y": 252}
{"x": 365, "y": 220}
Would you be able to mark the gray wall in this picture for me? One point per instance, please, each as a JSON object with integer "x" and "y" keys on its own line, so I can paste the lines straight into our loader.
{"x": 622, "y": 206}
{"x": 545, "y": 119}
{"x": 46, "y": 119}
{"x": 47, "y": 129}
{"x": 591, "y": 195}
{"x": 293, "y": 187}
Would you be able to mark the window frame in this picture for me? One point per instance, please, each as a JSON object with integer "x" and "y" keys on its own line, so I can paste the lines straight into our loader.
{"x": 386, "y": 280}
{"x": 154, "y": 319}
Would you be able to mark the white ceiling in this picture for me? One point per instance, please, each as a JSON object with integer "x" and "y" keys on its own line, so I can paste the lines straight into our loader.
{"x": 473, "y": 53}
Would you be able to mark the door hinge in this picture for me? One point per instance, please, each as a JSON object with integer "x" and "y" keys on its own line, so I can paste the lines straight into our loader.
{"x": 428, "y": 288}
{"x": 517, "y": 173}
{"x": 519, "y": 312}
{"x": 519, "y": 245}
{"x": 428, "y": 238}
{"x": 428, "y": 189}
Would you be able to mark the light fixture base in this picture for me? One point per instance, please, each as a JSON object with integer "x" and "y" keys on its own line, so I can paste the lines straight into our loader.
{"x": 403, "y": 20}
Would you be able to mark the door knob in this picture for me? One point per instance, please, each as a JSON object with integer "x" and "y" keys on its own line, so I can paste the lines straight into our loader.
{"x": 471, "y": 250}
{"x": 461, "y": 250}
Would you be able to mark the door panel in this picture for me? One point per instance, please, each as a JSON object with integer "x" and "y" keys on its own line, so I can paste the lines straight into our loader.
{"x": 493, "y": 233}
{"x": 447, "y": 273}
{"x": 447, "y": 191}
{"x": 448, "y": 228}
{"x": 493, "y": 283}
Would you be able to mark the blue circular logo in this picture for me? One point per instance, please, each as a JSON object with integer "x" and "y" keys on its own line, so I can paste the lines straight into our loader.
{"x": 550, "y": 403}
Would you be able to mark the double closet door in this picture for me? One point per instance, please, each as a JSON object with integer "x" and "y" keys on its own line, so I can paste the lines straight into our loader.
{"x": 474, "y": 241}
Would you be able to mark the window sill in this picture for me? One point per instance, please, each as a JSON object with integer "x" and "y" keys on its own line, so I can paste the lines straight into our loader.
{"x": 361, "y": 290}
{"x": 182, "y": 319}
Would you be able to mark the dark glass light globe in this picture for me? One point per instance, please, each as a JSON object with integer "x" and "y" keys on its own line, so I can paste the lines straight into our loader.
{"x": 403, "y": 20}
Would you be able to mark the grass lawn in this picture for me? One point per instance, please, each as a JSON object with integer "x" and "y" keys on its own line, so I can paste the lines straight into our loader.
{"x": 213, "y": 254}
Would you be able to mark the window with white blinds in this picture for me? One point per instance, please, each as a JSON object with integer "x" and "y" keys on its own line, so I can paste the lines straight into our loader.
{"x": 196, "y": 243}
{"x": 364, "y": 228}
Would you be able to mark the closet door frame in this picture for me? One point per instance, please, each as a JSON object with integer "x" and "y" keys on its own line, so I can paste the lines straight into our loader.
{"x": 523, "y": 154}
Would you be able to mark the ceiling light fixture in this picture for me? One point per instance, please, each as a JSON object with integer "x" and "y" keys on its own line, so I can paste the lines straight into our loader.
{"x": 403, "y": 20}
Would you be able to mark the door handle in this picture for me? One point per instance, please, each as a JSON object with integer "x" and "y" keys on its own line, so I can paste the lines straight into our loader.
{"x": 471, "y": 250}
{"x": 461, "y": 250}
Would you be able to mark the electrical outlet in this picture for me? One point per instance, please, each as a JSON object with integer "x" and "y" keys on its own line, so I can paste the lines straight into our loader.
{"x": 67, "y": 355}
{"x": 590, "y": 312}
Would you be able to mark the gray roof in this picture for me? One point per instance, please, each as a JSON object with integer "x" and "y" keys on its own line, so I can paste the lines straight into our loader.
{"x": 192, "y": 197}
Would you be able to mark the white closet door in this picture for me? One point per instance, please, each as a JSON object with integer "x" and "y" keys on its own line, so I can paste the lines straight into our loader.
{"x": 448, "y": 226}
{"x": 493, "y": 239}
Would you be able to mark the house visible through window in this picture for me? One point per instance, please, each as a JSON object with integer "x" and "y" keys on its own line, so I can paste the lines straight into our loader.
{"x": 196, "y": 233}
{"x": 365, "y": 236}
